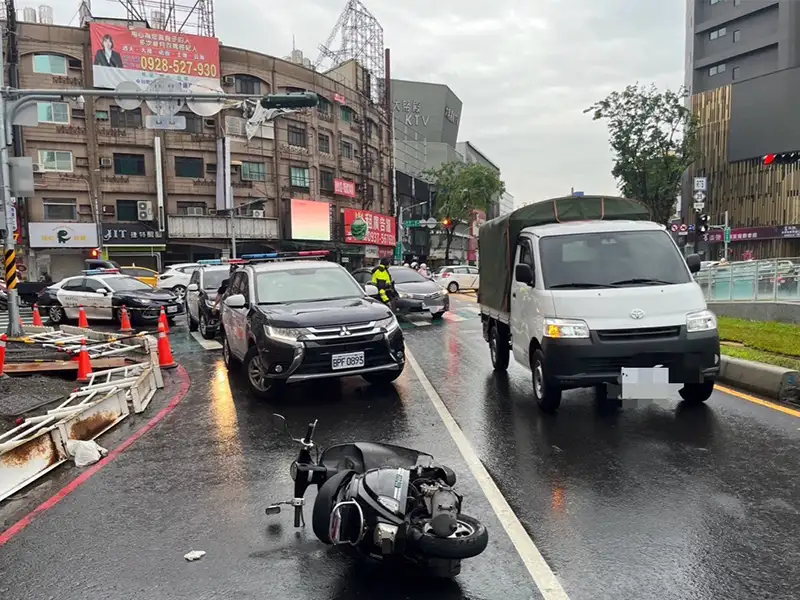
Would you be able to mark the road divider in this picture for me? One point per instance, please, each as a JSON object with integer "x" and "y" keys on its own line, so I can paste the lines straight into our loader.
{"x": 776, "y": 383}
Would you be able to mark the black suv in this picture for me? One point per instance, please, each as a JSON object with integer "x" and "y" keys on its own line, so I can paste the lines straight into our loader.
{"x": 201, "y": 299}
{"x": 299, "y": 320}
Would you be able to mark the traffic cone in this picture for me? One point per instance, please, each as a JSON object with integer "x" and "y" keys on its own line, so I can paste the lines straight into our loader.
{"x": 37, "y": 318}
{"x": 82, "y": 320}
{"x": 124, "y": 321}
{"x": 162, "y": 320}
{"x": 3, "y": 339}
{"x": 84, "y": 364}
{"x": 165, "y": 359}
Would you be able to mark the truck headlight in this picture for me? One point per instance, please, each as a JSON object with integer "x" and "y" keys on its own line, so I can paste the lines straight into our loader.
{"x": 703, "y": 320}
{"x": 566, "y": 328}
{"x": 283, "y": 334}
{"x": 389, "y": 324}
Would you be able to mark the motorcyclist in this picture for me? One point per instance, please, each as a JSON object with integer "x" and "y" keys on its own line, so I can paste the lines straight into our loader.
{"x": 424, "y": 271}
{"x": 415, "y": 265}
{"x": 382, "y": 279}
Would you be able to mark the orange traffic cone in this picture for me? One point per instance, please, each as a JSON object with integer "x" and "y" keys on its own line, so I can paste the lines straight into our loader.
{"x": 84, "y": 364}
{"x": 37, "y": 318}
{"x": 82, "y": 320}
{"x": 165, "y": 359}
{"x": 3, "y": 339}
{"x": 162, "y": 320}
{"x": 125, "y": 321}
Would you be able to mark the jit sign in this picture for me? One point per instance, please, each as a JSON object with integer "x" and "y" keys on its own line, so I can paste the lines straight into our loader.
{"x": 342, "y": 187}
{"x": 366, "y": 227}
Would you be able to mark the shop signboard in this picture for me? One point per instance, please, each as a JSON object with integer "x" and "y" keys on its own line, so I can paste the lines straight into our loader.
{"x": 367, "y": 227}
{"x": 62, "y": 235}
{"x": 342, "y": 187}
{"x": 131, "y": 234}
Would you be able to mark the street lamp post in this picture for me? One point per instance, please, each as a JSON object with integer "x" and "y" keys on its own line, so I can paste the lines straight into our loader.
{"x": 400, "y": 228}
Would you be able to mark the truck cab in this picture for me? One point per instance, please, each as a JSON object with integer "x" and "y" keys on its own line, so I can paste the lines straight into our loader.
{"x": 587, "y": 302}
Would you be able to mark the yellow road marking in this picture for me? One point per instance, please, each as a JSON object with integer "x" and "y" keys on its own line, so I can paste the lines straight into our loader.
{"x": 754, "y": 400}
{"x": 465, "y": 297}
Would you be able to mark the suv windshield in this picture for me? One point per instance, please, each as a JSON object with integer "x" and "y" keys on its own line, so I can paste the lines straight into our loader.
{"x": 213, "y": 279}
{"x": 405, "y": 275}
{"x": 125, "y": 284}
{"x": 611, "y": 259}
{"x": 305, "y": 285}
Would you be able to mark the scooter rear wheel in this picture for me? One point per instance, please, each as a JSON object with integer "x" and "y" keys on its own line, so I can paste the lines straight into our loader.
{"x": 324, "y": 503}
{"x": 470, "y": 539}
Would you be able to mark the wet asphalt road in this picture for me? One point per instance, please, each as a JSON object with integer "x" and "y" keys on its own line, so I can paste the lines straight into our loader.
{"x": 653, "y": 502}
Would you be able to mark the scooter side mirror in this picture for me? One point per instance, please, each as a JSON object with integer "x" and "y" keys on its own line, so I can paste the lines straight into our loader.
{"x": 279, "y": 424}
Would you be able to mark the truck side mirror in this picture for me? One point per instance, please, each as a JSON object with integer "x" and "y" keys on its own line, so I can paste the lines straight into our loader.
{"x": 693, "y": 262}
{"x": 524, "y": 274}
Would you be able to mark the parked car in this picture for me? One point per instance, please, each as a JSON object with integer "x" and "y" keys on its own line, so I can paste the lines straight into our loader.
{"x": 143, "y": 274}
{"x": 176, "y": 278}
{"x": 201, "y": 299}
{"x": 457, "y": 278}
{"x": 415, "y": 293}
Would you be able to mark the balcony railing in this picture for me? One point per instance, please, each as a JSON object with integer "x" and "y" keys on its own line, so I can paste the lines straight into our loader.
{"x": 246, "y": 228}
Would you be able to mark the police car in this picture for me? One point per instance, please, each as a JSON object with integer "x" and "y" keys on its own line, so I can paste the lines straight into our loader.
{"x": 103, "y": 293}
{"x": 290, "y": 319}
{"x": 201, "y": 296}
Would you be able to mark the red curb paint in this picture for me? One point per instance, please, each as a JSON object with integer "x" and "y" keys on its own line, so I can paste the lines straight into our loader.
{"x": 17, "y": 527}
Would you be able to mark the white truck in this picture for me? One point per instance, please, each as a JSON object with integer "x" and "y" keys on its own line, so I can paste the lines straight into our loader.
{"x": 586, "y": 292}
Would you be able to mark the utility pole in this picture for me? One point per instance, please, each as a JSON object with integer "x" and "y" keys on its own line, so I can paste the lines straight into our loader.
{"x": 725, "y": 236}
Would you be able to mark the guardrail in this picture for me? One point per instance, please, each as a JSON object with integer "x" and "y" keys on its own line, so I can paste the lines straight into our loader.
{"x": 774, "y": 280}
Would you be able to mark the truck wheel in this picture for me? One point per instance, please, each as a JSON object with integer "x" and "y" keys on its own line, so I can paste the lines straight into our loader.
{"x": 498, "y": 348}
{"x": 547, "y": 393}
{"x": 697, "y": 393}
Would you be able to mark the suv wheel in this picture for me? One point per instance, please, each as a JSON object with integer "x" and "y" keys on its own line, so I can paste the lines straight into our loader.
{"x": 207, "y": 332}
{"x": 259, "y": 385}
{"x": 228, "y": 358}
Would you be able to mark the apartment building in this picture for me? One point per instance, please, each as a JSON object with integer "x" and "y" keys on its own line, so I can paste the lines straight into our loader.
{"x": 152, "y": 197}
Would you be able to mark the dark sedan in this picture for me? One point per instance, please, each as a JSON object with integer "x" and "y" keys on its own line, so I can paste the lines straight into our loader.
{"x": 415, "y": 293}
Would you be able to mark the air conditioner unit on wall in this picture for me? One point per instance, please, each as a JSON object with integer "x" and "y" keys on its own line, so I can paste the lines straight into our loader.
{"x": 228, "y": 80}
{"x": 258, "y": 214}
{"x": 144, "y": 208}
{"x": 38, "y": 168}
{"x": 106, "y": 163}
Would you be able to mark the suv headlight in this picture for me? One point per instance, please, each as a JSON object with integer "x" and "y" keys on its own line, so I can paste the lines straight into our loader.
{"x": 281, "y": 334}
{"x": 703, "y": 320}
{"x": 403, "y": 295}
{"x": 566, "y": 328}
{"x": 389, "y": 324}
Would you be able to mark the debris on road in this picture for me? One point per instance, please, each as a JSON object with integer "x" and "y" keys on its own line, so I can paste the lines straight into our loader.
{"x": 85, "y": 452}
{"x": 193, "y": 555}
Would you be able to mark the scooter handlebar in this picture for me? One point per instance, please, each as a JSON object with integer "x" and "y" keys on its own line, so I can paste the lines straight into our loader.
{"x": 310, "y": 432}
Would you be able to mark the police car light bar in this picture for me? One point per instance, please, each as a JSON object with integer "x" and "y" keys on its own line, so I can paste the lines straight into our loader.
{"x": 99, "y": 271}
{"x": 221, "y": 261}
{"x": 286, "y": 255}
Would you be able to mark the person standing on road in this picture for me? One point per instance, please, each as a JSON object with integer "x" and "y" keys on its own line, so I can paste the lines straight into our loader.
{"x": 382, "y": 279}
{"x": 223, "y": 287}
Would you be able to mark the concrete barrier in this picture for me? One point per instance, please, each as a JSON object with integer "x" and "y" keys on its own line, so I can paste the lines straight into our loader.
{"x": 782, "y": 312}
{"x": 775, "y": 383}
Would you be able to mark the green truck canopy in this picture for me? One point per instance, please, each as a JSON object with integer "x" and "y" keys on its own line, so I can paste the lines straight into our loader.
{"x": 497, "y": 239}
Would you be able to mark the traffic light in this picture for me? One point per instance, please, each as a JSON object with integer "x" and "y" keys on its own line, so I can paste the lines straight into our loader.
{"x": 702, "y": 223}
{"x": 786, "y": 158}
{"x": 95, "y": 253}
{"x": 299, "y": 100}
{"x": 447, "y": 223}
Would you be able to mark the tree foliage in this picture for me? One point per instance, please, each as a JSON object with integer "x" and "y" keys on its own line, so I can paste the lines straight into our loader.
{"x": 654, "y": 138}
{"x": 461, "y": 189}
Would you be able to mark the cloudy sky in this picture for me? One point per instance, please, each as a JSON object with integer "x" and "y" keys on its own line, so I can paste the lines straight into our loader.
{"x": 524, "y": 70}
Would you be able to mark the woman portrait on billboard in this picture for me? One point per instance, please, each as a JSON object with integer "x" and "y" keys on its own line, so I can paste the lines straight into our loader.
{"x": 107, "y": 56}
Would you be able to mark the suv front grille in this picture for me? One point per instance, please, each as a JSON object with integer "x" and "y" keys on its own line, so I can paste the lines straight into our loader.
{"x": 319, "y": 353}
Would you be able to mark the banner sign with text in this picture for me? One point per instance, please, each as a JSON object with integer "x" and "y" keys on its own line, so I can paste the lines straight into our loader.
{"x": 143, "y": 55}
{"x": 342, "y": 187}
{"x": 745, "y": 234}
{"x": 366, "y": 227}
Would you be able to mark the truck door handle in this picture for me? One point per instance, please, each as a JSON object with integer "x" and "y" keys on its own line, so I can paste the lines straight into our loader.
{"x": 514, "y": 295}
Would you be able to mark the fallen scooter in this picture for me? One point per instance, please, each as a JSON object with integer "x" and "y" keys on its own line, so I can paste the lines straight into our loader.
{"x": 384, "y": 502}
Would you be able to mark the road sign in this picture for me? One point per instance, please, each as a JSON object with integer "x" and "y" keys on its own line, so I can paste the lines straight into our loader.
{"x": 128, "y": 103}
{"x": 699, "y": 196}
{"x": 431, "y": 223}
{"x": 683, "y": 227}
{"x": 701, "y": 183}
{"x": 176, "y": 122}
{"x": 727, "y": 235}
{"x": 699, "y": 205}
{"x": 674, "y": 227}
{"x": 165, "y": 108}
{"x": 412, "y": 223}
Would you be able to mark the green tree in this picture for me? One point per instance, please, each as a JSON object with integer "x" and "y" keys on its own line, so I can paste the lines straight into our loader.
{"x": 654, "y": 137}
{"x": 461, "y": 189}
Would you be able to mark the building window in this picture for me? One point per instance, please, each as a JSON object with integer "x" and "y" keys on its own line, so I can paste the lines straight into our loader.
{"x": 129, "y": 164}
{"x": 53, "y": 112}
{"x": 192, "y": 209}
{"x": 126, "y": 119}
{"x": 247, "y": 85}
{"x": 194, "y": 123}
{"x": 324, "y": 106}
{"x": 50, "y": 64}
{"x": 718, "y": 33}
{"x": 326, "y": 180}
{"x": 347, "y": 149}
{"x": 324, "y": 142}
{"x": 737, "y": 35}
{"x": 60, "y": 209}
{"x": 188, "y": 166}
{"x": 127, "y": 210}
{"x": 347, "y": 114}
{"x": 735, "y": 73}
{"x": 297, "y": 135}
{"x": 253, "y": 171}
{"x": 56, "y": 160}
{"x": 717, "y": 69}
{"x": 369, "y": 128}
{"x": 721, "y": 68}
{"x": 300, "y": 177}
{"x": 712, "y": 35}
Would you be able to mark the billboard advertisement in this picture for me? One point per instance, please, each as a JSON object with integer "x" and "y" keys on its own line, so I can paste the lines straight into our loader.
{"x": 310, "y": 220}
{"x": 342, "y": 187}
{"x": 142, "y": 55}
{"x": 62, "y": 235}
{"x": 366, "y": 227}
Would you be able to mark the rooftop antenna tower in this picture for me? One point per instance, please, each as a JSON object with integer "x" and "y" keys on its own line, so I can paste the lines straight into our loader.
{"x": 357, "y": 36}
{"x": 194, "y": 17}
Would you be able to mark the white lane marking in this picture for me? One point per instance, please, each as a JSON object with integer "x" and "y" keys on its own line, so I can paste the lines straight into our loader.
{"x": 206, "y": 344}
{"x": 418, "y": 321}
{"x": 540, "y": 571}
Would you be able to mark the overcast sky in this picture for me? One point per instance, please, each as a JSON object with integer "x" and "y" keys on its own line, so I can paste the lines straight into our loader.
{"x": 524, "y": 70}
